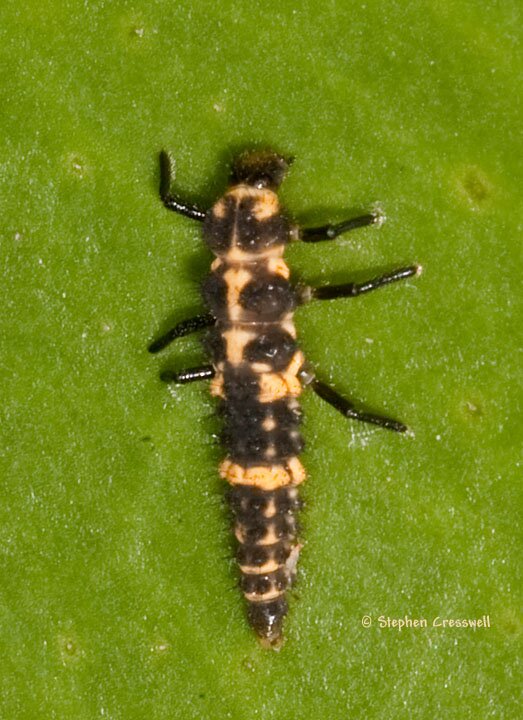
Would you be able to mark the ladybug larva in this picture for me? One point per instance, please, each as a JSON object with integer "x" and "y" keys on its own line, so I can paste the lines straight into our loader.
{"x": 258, "y": 371}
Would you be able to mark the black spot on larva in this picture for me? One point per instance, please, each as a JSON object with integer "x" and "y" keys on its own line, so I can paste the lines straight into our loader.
{"x": 240, "y": 385}
{"x": 236, "y": 220}
{"x": 257, "y": 555}
{"x": 248, "y": 503}
{"x": 253, "y": 532}
{"x": 285, "y": 412}
{"x": 214, "y": 291}
{"x": 268, "y": 297}
{"x": 253, "y": 235}
{"x": 260, "y": 584}
{"x": 287, "y": 500}
{"x": 214, "y": 344}
{"x": 254, "y": 555}
{"x": 251, "y": 428}
{"x": 253, "y": 528}
{"x": 261, "y": 447}
{"x": 281, "y": 551}
{"x": 275, "y": 347}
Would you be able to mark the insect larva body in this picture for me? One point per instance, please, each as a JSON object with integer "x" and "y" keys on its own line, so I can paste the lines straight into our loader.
{"x": 256, "y": 361}
{"x": 258, "y": 371}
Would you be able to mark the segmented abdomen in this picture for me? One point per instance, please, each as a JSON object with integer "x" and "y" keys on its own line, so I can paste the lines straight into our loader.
{"x": 257, "y": 363}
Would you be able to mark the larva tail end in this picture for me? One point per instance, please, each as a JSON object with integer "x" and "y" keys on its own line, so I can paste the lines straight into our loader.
{"x": 266, "y": 619}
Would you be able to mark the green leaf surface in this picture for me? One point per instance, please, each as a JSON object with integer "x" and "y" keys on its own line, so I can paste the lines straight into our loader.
{"x": 118, "y": 591}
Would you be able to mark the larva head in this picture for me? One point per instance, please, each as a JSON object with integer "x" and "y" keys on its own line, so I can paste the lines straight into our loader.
{"x": 260, "y": 169}
{"x": 246, "y": 224}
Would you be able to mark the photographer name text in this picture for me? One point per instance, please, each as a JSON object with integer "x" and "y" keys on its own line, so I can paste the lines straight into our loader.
{"x": 407, "y": 622}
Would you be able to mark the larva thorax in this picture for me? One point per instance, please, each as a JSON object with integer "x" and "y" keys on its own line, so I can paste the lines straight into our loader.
{"x": 257, "y": 361}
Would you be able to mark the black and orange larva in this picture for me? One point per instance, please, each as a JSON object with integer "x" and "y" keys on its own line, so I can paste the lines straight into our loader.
{"x": 257, "y": 369}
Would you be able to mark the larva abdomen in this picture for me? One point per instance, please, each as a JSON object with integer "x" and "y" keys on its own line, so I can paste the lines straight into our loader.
{"x": 266, "y": 529}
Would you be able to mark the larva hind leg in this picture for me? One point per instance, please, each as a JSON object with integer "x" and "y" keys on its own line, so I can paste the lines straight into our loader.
{"x": 346, "y": 407}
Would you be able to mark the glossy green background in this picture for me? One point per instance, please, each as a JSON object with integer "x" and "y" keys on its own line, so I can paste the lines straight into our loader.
{"x": 118, "y": 594}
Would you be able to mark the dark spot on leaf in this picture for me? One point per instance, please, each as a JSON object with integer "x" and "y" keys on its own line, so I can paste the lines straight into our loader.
{"x": 70, "y": 649}
{"x": 473, "y": 408}
{"x": 476, "y": 187}
{"x": 76, "y": 165}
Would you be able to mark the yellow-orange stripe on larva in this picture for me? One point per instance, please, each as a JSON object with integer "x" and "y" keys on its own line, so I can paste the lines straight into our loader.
{"x": 236, "y": 338}
{"x": 264, "y": 597}
{"x": 236, "y": 279}
{"x": 262, "y": 476}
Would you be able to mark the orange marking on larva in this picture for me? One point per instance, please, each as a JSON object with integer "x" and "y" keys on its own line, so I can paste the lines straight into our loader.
{"x": 287, "y": 324}
{"x": 218, "y": 262}
{"x": 236, "y": 340}
{"x": 295, "y": 364}
{"x": 237, "y": 256}
{"x": 219, "y": 209}
{"x": 236, "y": 279}
{"x": 260, "y": 367}
{"x": 278, "y": 266}
{"x": 269, "y": 566}
{"x": 239, "y": 533}
{"x": 297, "y": 471}
{"x": 239, "y": 192}
{"x": 216, "y": 385}
{"x": 270, "y": 510}
{"x": 264, "y": 597}
{"x": 274, "y": 386}
{"x": 269, "y": 424}
{"x": 269, "y": 538}
{"x": 261, "y": 476}
{"x": 266, "y": 206}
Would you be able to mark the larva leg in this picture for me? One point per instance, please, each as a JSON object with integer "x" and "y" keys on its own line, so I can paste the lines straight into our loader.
{"x": 346, "y": 408}
{"x": 170, "y": 201}
{"x": 185, "y": 327}
{"x": 203, "y": 372}
{"x": 329, "y": 232}
{"x": 329, "y": 292}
